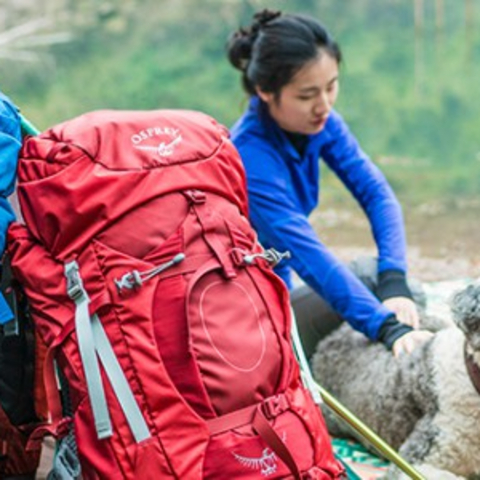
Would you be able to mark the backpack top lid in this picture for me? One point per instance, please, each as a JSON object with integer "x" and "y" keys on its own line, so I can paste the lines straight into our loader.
{"x": 81, "y": 175}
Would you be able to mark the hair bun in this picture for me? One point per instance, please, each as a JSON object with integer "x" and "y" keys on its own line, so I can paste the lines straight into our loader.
{"x": 240, "y": 43}
{"x": 239, "y": 48}
{"x": 264, "y": 17}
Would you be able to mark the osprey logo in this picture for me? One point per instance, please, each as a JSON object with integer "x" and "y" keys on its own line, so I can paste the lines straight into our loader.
{"x": 267, "y": 463}
{"x": 167, "y": 138}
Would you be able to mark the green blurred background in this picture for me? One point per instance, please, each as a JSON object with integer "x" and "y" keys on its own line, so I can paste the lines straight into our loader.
{"x": 409, "y": 83}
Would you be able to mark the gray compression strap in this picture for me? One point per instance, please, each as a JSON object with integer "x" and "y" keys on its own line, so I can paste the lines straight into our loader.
{"x": 120, "y": 385}
{"x": 88, "y": 355}
{"x": 307, "y": 377}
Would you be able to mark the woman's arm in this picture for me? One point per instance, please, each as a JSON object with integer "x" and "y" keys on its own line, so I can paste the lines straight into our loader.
{"x": 371, "y": 189}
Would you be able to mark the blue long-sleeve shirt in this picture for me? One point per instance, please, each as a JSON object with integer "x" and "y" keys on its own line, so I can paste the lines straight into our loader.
{"x": 10, "y": 141}
{"x": 283, "y": 188}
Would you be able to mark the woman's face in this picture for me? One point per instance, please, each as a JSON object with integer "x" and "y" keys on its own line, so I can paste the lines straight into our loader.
{"x": 305, "y": 103}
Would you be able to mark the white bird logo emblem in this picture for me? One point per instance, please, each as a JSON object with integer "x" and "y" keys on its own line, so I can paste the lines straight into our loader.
{"x": 163, "y": 149}
{"x": 267, "y": 463}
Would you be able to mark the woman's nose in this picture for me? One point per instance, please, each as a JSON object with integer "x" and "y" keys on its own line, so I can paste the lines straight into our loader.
{"x": 323, "y": 104}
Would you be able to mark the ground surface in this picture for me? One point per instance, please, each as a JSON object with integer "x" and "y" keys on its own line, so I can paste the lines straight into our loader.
{"x": 443, "y": 237}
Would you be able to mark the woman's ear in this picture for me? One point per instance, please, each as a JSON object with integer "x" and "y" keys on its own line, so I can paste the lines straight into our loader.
{"x": 266, "y": 97}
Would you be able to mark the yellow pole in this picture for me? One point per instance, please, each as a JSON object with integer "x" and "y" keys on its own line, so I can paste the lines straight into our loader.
{"x": 388, "y": 452}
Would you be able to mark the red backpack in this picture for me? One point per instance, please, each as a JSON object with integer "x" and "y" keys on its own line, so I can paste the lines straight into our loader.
{"x": 158, "y": 305}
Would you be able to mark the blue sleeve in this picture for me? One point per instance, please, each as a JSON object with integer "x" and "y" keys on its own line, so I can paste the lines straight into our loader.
{"x": 371, "y": 189}
{"x": 281, "y": 224}
{"x": 10, "y": 141}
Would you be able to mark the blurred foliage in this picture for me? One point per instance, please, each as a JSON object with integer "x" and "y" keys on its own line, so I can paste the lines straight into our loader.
{"x": 409, "y": 86}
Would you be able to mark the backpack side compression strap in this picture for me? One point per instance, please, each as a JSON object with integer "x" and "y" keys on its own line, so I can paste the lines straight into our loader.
{"x": 86, "y": 346}
{"x": 119, "y": 382}
{"x": 93, "y": 340}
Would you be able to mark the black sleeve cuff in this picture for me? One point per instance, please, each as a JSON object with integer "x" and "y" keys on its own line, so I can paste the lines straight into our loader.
{"x": 391, "y": 331}
{"x": 392, "y": 283}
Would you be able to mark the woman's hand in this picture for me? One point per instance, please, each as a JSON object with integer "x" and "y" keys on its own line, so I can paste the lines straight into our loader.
{"x": 408, "y": 342}
{"x": 405, "y": 310}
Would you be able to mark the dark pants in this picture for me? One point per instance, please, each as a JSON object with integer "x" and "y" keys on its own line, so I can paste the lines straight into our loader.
{"x": 316, "y": 319}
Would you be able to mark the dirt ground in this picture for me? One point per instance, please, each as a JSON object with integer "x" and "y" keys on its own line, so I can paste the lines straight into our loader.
{"x": 443, "y": 237}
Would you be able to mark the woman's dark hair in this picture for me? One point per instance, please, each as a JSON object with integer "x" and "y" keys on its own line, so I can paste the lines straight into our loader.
{"x": 275, "y": 47}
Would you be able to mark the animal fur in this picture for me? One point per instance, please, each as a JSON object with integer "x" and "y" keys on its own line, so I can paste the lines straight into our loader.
{"x": 423, "y": 404}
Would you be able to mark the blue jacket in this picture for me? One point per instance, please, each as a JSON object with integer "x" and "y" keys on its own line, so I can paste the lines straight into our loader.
{"x": 10, "y": 141}
{"x": 283, "y": 189}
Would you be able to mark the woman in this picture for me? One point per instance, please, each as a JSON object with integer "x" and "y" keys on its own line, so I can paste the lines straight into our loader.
{"x": 290, "y": 68}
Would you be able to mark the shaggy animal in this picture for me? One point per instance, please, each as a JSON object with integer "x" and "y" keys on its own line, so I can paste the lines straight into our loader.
{"x": 427, "y": 404}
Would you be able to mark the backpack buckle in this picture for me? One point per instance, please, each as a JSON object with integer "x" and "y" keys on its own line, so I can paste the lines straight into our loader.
{"x": 74, "y": 282}
{"x": 196, "y": 197}
{"x": 273, "y": 406}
